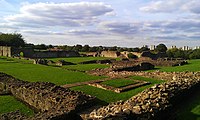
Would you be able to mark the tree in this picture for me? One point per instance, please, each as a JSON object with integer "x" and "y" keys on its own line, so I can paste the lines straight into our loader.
{"x": 136, "y": 49}
{"x": 130, "y": 55}
{"x": 142, "y": 49}
{"x": 85, "y": 48}
{"x": 13, "y": 39}
{"x": 77, "y": 47}
{"x": 161, "y": 48}
{"x": 114, "y": 48}
{"x": 41, "y": 47}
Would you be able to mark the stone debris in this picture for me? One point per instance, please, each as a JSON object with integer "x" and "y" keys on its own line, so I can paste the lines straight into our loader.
{"x": 49, "y": 100}
{"x": 150, "y": 102}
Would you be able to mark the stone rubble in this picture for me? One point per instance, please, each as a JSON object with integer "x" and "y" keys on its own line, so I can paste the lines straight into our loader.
{"x": 150, "y": 102}
{"x": 49, "y": 100}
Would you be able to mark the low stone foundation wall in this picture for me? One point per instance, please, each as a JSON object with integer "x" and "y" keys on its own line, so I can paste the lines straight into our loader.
{"x": 151, "y": 103}
{"x": 120, "y": 89}
{"x": 51, "y": 101}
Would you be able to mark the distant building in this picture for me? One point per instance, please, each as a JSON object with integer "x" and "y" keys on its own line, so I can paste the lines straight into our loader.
{"x": 145, "y": 46}
{"x": 173, "y": 47}
{"x": 197, "y": 47}
{"x": 185, "y": 48}
{"x": 152, "y": 47}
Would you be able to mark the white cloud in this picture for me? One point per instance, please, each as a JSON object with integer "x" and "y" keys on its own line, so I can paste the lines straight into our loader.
{"x": 192, "y": 6}
{"x": 61, "y": 14}
{"x": 122, "y": 28}
{"x": 169, "y": 6}
{"x": 163, "y": 6}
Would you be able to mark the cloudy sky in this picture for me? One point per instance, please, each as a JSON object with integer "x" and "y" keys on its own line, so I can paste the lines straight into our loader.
{"x": 127, "y": 23}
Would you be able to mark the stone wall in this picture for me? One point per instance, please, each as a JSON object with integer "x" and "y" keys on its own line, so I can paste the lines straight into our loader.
{"x": 49, "y": 100}
{"x": 54, "y": 54}
{"x": 111, "y": 54}
{"x": 153, "y": 103}
{"x": 5, "y": 51}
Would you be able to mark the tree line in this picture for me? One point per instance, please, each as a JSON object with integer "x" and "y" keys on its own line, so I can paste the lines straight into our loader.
{"x": 16, "y": 40}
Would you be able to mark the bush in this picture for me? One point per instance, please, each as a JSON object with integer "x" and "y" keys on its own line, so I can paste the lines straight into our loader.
{"x": 130, "y": 55}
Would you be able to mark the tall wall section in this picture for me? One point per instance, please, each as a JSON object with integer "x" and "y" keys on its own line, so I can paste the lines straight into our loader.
{"x": 5, "y": 51}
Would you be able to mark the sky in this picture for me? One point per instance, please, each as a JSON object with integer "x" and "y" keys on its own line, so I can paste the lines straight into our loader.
{"x": 124, "y": 23}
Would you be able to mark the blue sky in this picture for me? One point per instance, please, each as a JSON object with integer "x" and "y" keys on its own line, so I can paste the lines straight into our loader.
{"x": 127, "y": 23}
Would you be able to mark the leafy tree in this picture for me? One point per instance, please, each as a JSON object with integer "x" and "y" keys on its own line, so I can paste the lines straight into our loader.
{"x": 130, "y": 55}
{"x": 40, "y": 47}
{"x": 136, "y": 49}
{"x": 93, "y": 49}
{"x": 195, "y": 54}
{"x": 161, "y": 48}
{"x": 130, "y": 50}
{"x": 77, "y": 48}
{"x": 142, "y": 49}
{"x": 85, "y": 48}
{"x": 14, "y": 39}
{"x": 114, "y": 48}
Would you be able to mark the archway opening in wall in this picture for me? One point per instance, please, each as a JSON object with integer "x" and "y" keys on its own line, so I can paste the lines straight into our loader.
{"x": 21, "y": 54}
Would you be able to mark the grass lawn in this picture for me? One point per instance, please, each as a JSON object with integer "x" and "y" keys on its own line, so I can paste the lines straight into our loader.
{"x": 85, "y": 67}
{"x": 109, "y": 96}
{"x": 33, "y": 73}
{"x": 118, "y": 82}
{"x": 9, "y": 103}
{"x": 59, "y": 76}
{"x": 193, "y": 65}
{"x": 78, "y": 59}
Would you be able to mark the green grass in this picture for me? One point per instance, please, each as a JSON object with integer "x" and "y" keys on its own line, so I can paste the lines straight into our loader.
{"x": 193, "y": 65}
{"x": 78, "y": 59}
{"x": 189, "y": 109}
{"x": 85, "y": 67}
{"x": 109, "y": 96}
{"x": 118, "y": 82}
{"x": 33, "y": 73}
{"x": 9, "y": 104}
{"x": 15, "y": 60}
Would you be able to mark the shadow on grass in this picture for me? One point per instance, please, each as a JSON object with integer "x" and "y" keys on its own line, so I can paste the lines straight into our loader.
{"x": 185, "y": 110}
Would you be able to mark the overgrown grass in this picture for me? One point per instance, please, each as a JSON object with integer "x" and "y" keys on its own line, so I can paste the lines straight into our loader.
{"x": 78, "y": 59}
{"x": 9, "y": 104}
{"x": 109, "y": 96}
{"x": 118, "y": 82}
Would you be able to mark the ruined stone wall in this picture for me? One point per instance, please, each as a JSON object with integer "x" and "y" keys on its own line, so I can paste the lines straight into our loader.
{"x": 49, "y": 100}
{"x": 111, "y": 54}
{"x": 5, "y": 51}
{"x": 54, "y": 54}
{"x": 153, "y": 103}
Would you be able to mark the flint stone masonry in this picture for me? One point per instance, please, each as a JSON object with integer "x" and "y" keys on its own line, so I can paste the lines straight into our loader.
{"x": 16, "y": 115}
{"x": 107, "y": 61}
{"x": 51, "y": 101}
{"x": 152, "y": 103}
{"x": 122, "y": 66}
{"x": 163, "y": 62}
{"x": 120, "y": 89}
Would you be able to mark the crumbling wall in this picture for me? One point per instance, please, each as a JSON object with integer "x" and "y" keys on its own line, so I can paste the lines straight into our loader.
{"x": 111, "y": 54}
{"x": 54, "y": 54}
{"x": 5, "y": 51}
{"x": 153, "y": 103}
{"x": 49, "y": 100}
